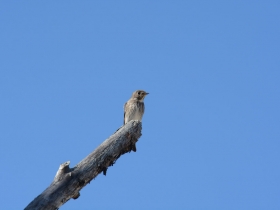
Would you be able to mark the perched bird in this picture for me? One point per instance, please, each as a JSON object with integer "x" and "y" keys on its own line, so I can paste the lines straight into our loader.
{"x": 134, "y": 107}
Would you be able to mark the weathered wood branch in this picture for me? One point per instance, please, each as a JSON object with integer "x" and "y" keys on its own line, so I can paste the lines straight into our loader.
{"x": 69, "y": 181}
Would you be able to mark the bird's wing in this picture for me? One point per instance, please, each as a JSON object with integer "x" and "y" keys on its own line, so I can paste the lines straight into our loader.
{"x": 124, "y": 108}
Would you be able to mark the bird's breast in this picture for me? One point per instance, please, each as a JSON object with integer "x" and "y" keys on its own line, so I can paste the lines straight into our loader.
{"x": 134, "y": 111}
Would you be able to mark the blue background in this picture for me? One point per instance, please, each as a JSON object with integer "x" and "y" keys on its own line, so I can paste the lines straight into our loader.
{"x": 211, "y": 130}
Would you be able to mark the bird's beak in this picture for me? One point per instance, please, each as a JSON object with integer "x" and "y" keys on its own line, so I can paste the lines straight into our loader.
{"x": 147, "y": 93}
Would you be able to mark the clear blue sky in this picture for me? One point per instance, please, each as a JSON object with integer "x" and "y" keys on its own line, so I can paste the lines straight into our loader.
{"x": 211, "y": 130}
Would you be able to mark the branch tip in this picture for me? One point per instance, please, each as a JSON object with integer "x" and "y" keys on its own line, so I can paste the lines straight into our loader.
{"x": 63, "y": 169}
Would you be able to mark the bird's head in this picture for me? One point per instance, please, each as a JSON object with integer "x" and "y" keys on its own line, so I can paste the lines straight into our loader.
{"x": 139, "y": 95}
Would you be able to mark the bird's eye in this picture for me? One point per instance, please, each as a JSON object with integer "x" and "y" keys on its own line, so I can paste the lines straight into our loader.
{"x": 139, "y": 93}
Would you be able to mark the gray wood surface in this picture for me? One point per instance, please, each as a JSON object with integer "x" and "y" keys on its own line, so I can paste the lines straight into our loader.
{"x": 69, "y": 181}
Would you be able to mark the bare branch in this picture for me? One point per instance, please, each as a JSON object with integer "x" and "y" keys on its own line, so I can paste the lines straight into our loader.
{"x": 69, "y": 181}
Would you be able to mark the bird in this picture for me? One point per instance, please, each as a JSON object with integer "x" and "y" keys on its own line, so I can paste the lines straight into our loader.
{"x": 134, "y": 108}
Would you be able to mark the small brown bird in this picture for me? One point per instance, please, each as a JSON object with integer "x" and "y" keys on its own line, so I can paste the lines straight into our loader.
{"x": 134, "y": 107}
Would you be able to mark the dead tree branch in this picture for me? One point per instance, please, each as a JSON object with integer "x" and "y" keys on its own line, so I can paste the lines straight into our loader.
{"x": 69, "y": 181}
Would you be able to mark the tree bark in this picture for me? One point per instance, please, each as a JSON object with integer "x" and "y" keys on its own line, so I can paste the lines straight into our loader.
{"x": 69, "y": 181}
